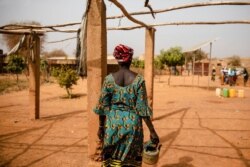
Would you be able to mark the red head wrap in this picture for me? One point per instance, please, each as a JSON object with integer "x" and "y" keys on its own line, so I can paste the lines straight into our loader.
{"x": 123, "y": 53}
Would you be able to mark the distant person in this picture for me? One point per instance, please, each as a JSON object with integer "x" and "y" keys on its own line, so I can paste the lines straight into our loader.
{"x": 222, "y": 76}
{"x": 213, "y": 74}
{"x": 245, "y": 76}
{"x": 230, "y": 76}
{"x": 234, "y": 73}
{"x": 225, "y": 75}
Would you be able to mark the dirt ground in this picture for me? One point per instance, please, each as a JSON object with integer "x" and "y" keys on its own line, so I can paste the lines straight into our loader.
{"x": 196, "y": 128}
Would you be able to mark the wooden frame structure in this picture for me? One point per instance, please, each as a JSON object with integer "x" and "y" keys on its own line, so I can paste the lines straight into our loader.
{"x": 97, "y": 51}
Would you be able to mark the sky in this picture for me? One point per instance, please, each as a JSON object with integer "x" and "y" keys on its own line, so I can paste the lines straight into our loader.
{"x": 232, "y": 39}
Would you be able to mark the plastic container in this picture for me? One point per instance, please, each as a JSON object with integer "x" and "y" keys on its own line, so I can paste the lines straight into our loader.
{"x": 241, "y": 93}
{"x": 225, "y": 92}
{"x": 232, "y": 93}
{"x": 218, "y": 92}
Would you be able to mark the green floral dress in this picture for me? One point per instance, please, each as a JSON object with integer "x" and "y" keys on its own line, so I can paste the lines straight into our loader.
{"x": 124, "y": 108}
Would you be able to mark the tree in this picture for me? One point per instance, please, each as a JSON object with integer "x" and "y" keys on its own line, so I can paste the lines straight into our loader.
{"x": 66, "y": 78}
{"x": 138, "y": 63}
{"x": 44, "y": 69}
{"x": 55, "y": 53}
{"x": 16, "y": 65}
{"x": 198, "y": 55}
{"x": 12, "y": 39}
{"x": 158, "y": 64}
{"x": 234, "y": 61}
{"x": 172, "y": 57}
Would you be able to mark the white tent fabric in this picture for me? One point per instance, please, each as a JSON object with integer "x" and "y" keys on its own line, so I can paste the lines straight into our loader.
{"x": 17, "y": 46}
{"x": 200, "y": 45}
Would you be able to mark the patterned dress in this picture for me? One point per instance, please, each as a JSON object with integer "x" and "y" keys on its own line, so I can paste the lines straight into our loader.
{"x": 124, "y": 108}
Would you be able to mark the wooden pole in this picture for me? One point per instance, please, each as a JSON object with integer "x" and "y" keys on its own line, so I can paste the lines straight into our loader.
{"x": 193, "y": 70}
{"x": 202, "y": 69}
{"x": 149, "y": 64}
{"x": 34, "y": 76}
{"x": 209, "y": 66}
{"x": 96, "y": 67}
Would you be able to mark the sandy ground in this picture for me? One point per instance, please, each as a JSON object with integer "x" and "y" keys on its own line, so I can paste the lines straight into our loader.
{"x": 196, "y": 128}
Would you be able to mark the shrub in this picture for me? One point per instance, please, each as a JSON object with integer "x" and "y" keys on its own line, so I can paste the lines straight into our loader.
{"x": 16, "y": 65}
{"x": 66, "y": 78}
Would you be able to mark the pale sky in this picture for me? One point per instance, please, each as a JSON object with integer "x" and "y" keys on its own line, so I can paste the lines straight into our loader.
{"x": 233, "y": 39}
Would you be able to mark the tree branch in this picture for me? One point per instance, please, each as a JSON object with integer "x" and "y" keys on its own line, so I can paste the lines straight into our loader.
{"x": 62, "y": 40}
{"x": 124, "y": 11}
{"x": 184, "y": 7}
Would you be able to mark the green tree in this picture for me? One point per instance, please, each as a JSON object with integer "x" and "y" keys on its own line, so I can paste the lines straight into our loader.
{"x": 158, "y": 64}
{"x": 172, "y": 57}
{"x": 44, "y": 68}
{"x": 66, "y": 78}
{"x": 138, "y": 63}
{"x": 16, "y": 65}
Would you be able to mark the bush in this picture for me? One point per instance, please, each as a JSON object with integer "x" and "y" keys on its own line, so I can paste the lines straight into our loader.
{"x": 66, "y": 78}
{"x": 16, "y": 65}
{"x": 138, "y": 63}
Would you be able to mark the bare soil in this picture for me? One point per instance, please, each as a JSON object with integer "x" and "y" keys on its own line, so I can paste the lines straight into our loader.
{"x": 196, "y": 128}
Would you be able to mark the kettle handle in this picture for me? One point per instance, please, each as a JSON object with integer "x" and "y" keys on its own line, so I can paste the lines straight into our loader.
{"x": 159, "y": 146}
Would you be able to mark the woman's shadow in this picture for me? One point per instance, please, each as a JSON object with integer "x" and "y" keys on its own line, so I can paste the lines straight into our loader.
{"x": 183, "y": 162}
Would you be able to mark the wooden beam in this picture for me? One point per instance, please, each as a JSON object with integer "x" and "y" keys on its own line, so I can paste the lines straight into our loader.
{"x": 124, "y": 11}
{"x": 41, "y": 32}
{"x": 184, "y": 23}
{"x": 202, "y": 4}
{"x": 21, "y": 32}
{"x": 9, "y": 26}
{"x": 38, "y": 32}
{"x": 96, "y": 67}
{"x": 34, "y": 76}
{"x": 149, "y": 64}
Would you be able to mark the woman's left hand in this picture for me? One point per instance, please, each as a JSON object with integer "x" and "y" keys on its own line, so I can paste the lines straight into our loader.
{"x": 101, "y": 132}
{"x": 154, "y": 137}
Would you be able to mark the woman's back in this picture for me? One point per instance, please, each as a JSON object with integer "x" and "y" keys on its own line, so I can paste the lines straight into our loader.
{"x": 124, "y": 77}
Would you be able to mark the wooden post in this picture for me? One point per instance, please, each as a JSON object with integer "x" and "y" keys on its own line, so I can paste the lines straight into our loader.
{"x": 34, "y": 76}
{"x": 209, "y": 66}
{"x": 96, "y": 66}
{"x": 193, "y": 71}
{"x": 202, "y": 69}
{"x": 149, "y": 64}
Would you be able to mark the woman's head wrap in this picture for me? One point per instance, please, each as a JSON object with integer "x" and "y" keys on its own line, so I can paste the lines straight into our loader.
{"x": 123, "y": 53}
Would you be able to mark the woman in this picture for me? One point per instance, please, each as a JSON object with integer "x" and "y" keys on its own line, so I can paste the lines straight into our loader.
{"x": 121, "y": 108}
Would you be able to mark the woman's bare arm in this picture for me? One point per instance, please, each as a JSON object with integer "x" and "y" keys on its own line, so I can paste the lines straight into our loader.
{"x": 153, "y": 135}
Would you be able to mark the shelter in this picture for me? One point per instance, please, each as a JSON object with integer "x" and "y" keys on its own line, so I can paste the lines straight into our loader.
{"x": 96, "y": 31}
{"x": 201, "y": 67}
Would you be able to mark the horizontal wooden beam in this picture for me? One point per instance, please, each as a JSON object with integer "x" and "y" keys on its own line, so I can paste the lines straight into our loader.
{"x": 182, "y": 23}
{"x": 21, "y": 26}
{"x": 22, "y": 31}
{"x": 41, "y": 32}
{"x": 38, "y": 32}
{"x": 192, "y": 5}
